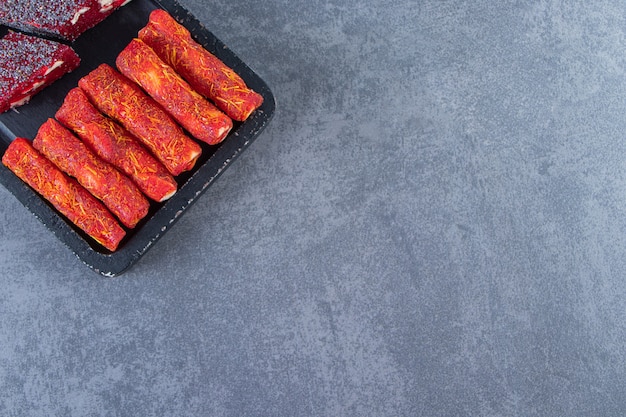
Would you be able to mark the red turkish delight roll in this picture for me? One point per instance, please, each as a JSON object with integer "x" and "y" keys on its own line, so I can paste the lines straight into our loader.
{"x": 101, "y": 179}
{"x": 64, "y": 193}
{"x": 115, "y": 145}
{"x": 202, "y": 119}
{"x": 206, "y": 73}
{"x": 65, "y": 19}
{"x": 28, "y": 64}
{"x": 119, "y": 98}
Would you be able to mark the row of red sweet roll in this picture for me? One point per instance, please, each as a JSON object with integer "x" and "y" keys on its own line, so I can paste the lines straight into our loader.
{"x": 120, "y": 137}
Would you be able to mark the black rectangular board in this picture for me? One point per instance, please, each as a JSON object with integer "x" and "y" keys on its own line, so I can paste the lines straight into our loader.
{"x": 102, "y": 44}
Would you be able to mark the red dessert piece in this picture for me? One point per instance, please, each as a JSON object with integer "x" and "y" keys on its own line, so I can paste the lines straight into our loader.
{"x": 119, "y": 98}
{"x": 116, "y": 145}
{"x": 65, "y": 19}
{"x": 28, "y": 64}
{"x": 101, "y": 179}
{"x": 64, "y": 193}
{"x": 202, "y": 119}
{"x": 206, "y": 73}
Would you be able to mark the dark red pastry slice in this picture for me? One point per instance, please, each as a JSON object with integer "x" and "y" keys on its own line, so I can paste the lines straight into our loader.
{"x": 65, "y": 19}
{"x": 121, "y": 99}
{"x": 206, "y": 73}
{"x": 116, "y": 145}
{"x": 202, "y": 119}
{"x": 64, "y": 193}
{"x": 28, "y": 64}
{"x": 101, "y": 179}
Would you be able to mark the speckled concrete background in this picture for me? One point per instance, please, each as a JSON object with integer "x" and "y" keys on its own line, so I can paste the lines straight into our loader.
{"x": 432, "y": 225}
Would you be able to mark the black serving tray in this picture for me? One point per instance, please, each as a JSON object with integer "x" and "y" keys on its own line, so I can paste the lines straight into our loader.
{"x": 100, "y": 45}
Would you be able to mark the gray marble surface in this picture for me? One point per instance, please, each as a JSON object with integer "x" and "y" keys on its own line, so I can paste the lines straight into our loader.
{"x": 433, "y": 224}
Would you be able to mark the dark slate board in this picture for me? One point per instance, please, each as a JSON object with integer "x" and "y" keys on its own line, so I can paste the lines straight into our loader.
{"x": 101, "y": 45}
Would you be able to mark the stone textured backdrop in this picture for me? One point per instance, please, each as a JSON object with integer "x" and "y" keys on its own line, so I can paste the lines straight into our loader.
{"x": 432, "y": 225}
